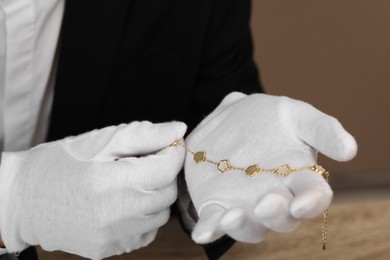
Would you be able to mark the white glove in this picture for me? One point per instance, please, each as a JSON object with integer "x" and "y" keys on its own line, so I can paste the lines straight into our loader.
{"x": 75, "y": 195}
{"x": 268, "y": 131}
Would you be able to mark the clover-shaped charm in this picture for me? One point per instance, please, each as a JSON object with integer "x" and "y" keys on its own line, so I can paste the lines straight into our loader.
{"x": 224, "y": 166}
{"x": 199, "y": 157}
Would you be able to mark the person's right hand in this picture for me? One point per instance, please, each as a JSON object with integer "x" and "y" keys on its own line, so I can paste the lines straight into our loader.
{"x": 99, "y": 194}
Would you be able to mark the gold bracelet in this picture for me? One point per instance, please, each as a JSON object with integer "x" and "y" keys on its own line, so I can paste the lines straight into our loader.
{"x": 224, "y": 166}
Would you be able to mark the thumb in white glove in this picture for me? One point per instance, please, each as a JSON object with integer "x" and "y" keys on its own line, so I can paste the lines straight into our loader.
{"x": 99, "y": 194}
{"x": 268, "y": 131}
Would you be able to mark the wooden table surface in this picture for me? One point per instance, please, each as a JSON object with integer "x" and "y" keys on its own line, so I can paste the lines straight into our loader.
{"x": 357, "y": 230}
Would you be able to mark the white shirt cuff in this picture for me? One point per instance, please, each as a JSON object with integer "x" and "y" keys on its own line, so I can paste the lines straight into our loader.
{"x": 3, "y": 251}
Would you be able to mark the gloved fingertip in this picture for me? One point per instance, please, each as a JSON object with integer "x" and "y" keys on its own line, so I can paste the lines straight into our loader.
{"x": 232, "y": 219}
{"x": 348, "y": 149}
{"x": 180, "y": 128}
{"x": 271, "y": 206}
{"x": 202, "y": 237}
{"x": 207, "y": 229}
{"x": 233, "y": 97}
{"x": 238, "y": 225}
{"x": 303, "y": 208}
{"x": 311, "y": 204}
{"x": 230, "y": 99}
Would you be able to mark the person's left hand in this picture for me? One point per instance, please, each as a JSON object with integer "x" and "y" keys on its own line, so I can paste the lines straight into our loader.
{"x": 268, "y": 131}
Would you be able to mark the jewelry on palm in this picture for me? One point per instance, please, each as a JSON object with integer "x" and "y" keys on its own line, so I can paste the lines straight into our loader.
{"x": 224, "y": 166}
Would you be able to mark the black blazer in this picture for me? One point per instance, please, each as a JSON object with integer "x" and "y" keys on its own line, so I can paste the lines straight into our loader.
{"x": 156, "y": 60}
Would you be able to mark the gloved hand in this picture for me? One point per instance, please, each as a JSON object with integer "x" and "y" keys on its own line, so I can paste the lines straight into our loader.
{"x": 99, "y": 194}
{"x": 268, "y": 131}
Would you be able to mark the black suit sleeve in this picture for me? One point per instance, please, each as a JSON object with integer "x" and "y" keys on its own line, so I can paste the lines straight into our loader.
{"x": 227, "y": 59}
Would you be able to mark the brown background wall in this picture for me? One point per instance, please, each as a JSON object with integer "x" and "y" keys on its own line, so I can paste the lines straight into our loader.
{"x": 334, "y": 54}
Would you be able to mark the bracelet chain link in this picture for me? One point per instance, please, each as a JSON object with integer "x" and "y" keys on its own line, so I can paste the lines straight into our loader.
{"x": 224, "y": 166}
